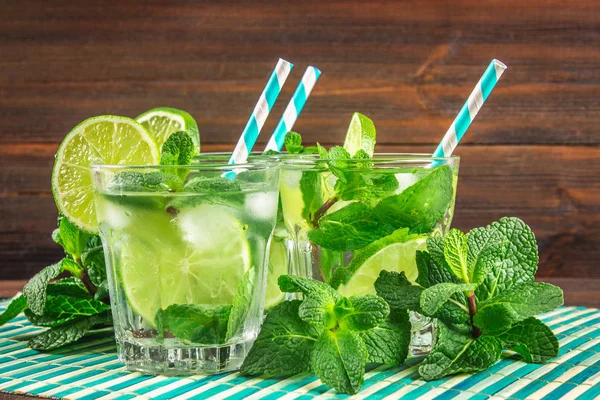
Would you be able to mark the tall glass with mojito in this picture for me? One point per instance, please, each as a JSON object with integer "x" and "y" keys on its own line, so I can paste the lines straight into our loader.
{"x": 186, "y": 250}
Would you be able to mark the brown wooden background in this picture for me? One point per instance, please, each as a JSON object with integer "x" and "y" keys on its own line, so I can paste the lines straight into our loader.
{"x": 533, "y": 151}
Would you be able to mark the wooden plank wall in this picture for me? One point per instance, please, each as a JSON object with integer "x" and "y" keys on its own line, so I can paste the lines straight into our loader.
{"x": 533, "y": 151}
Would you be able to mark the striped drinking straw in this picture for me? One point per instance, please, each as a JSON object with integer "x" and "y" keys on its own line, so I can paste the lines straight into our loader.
{"x": 261, "y": 111}
{"x": 470, "y": 109}
{"x": 294, "y": 108}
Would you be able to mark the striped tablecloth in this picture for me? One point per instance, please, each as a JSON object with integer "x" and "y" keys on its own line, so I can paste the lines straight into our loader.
{"x": 91, "y": 370}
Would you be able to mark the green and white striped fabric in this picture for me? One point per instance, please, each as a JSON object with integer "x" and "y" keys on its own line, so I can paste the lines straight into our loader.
{"x": 91, "y": 370}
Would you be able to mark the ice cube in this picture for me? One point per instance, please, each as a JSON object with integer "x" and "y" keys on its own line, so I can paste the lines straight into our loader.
{"x": 262, "y": 205}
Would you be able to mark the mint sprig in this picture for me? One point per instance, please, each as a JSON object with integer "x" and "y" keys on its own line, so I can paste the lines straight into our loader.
{"x": 480, "y": 288}
{"x": 328, "y": 334}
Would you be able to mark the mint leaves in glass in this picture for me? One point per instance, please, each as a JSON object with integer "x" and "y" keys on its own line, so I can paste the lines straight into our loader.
{"x": 186, "y": 259}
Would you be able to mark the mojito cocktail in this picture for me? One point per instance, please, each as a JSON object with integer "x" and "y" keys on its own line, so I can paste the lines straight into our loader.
{"x": 353, "y": 218}
{"x": 186, "y": 261}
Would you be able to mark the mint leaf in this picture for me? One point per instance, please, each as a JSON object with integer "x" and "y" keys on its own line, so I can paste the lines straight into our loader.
{"x": 319, "y": 300}
{"x": 431, "y": 272}
{"x": 35, "y": 290}
{"x": 310, "y": 150}
{"x": 339, "y": 153}
{"x": 398, "y": 292}
{"x": 284, "y": 345}
{"x": 516, "y": 304}
{"x": 339, "y": 359}
{"x": 271, "y": 152}
{"x": 455, "y": 352}
{"x": 532, "y": 339}
{"x": 16, "y": 307}
{"x": 350, "y": 228}
{"x": 311, "y": 186}
{"x": 242, "y": 300}
{"x": 72, "y": 239}
{"x": 68, "y": 333}
{"x": 441, "y": 270}
{"x": 361, "y": 155}
{"x": 213, "y": 190}
{"x": 388, "y": 343}
{"x": 322, "y": 151}
{"x": 71, "y": 287}
{"x": 363, "y": 313}
{"x": 130, "y": 181}
{"x": 177, "y": 150}
{"x": 331, "y": 261}
{"x": 48, "y": 319}
{"x": 360, "y": 185}
{"x": 455, "y": 253}
{"x": 195, "y": 323}
{"x": 421, "y": 205}
{"x": 61, "y": 306}
{"x": 516, "y": 264}
{"x": 293, "y": 142}
{"x": 435, "y": 297}
{"x": 93, "y": 261}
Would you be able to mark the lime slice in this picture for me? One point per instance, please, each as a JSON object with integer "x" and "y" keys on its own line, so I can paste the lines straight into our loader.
{"x": 392, "y": 253}
{"x": 199, "y": 257}
{"x": 162, "y": 121}
{"x": 278, "y": 265}
{"x": 360, "y": 135}
{"x": 106, "y": 139}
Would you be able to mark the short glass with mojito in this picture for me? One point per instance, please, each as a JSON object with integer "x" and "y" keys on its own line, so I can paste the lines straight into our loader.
{"x": 352, "y": 218}
{"x": 186, "y": 251}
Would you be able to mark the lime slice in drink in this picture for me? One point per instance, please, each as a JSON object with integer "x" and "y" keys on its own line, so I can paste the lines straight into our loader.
{"x": 360, "y": 135}
{"x": 199, "y": 257}
{"x": 106, "y": 139}
{"x": 162, "y": 121}
{"x": 277, "y": 266}
{"x": 393, "y": 253}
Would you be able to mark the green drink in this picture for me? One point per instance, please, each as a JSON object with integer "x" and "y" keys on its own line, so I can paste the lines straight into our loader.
{"x": 186, "y": 265}
{"x": 352, "y": 218}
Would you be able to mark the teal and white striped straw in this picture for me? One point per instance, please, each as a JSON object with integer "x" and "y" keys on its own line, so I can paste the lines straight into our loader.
{"x": 294, "y": 108}
{"x": 261, "y": 111}
{"x": 470, "y": 109}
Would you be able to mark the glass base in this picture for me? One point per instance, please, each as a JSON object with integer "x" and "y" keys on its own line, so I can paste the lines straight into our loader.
{"x": 423, "y": 334}
{"x": 177, "y": 359}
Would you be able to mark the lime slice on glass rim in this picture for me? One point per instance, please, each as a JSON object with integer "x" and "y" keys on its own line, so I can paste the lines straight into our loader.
{"x": 393, "y": 253}
{"x": 360, "y": 135}
{"x": 106, "y": 139}
{"x": 204, "y": 268}
{"x": 161, "y": 122}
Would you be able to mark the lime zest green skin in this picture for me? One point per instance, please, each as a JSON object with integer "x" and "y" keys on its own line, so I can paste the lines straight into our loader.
{"x": 84, "y": 188}
{"x": 180, "y": 121}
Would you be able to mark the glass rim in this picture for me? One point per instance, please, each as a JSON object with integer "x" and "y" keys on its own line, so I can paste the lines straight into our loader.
{"x": 207, "y": 165}
{"x": 377, "y": 159}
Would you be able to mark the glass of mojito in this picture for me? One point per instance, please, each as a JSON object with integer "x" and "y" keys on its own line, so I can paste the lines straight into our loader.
{"x": 352, "y": 218}
{"x": 186, "y": 251}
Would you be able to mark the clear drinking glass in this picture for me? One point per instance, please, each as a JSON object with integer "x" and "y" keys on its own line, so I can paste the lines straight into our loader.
{"x": 350, "y": 219}
{"x": 186, "y": 253}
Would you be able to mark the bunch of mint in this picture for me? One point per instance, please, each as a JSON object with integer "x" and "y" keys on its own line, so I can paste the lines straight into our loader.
{"x": 72, "y": 306}
{"x": 480, "y": 288}
{"x": 328, "y": 334}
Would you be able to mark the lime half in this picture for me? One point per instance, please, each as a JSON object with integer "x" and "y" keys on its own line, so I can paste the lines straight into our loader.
{"x": 106, "y": 139}
{"x": 198, "y": 257}
{"x": 162, "y": 121}
{"x": 278, "y": 265}
{"x": 360, "y": 135}
{"x": 393, "y": 253}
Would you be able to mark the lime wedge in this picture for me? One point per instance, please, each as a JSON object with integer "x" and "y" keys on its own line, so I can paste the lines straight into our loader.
{"x": 162, "y": 121}
{"x": 106, "y": 139}
{"x": 360, "y": 135}
{"x": 392, "y": 253}
{"x": 278, "y": 265}
{"x": 198, "y": 257}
